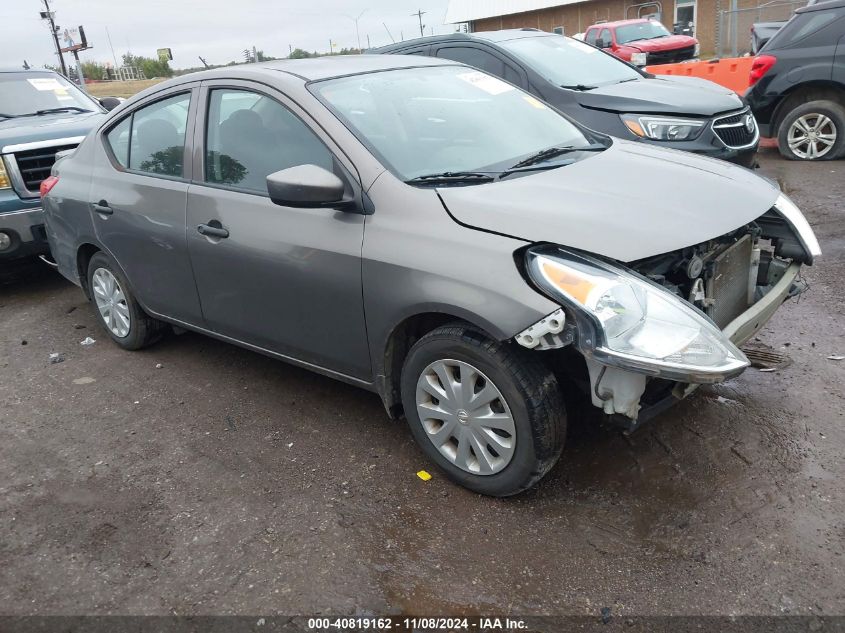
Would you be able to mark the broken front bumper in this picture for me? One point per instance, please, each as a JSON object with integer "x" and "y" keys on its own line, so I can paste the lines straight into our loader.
{"x": 740, "y": 331}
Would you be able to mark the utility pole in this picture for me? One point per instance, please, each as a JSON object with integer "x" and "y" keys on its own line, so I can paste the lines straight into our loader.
{"x": 419, "y": 15}
{"x": 54, "y": 31}
{"x": 203, "y": 61}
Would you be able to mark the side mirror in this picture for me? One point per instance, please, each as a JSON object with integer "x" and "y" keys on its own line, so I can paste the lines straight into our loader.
{"x": 109, "y": 103}
{"x": 600, "y": 43}
{"x": 306, "y": 186}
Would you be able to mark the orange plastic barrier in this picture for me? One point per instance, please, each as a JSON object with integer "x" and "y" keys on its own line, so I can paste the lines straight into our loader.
{"x": 731, "y": 72}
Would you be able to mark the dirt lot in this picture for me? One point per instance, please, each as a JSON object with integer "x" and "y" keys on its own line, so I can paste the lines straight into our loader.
{"x": 225, "y": 482}
{"x": 119, "y": 88}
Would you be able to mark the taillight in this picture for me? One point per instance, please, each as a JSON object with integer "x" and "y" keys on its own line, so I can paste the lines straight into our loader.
{"x": 48, "y": 183}
{"x": 759, "y": 67}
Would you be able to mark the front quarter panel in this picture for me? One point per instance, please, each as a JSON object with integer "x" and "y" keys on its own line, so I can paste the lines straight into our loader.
{"x": 417, "y": 259}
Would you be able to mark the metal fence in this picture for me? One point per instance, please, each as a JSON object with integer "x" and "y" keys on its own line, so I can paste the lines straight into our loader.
{"x": 734, "y": 36}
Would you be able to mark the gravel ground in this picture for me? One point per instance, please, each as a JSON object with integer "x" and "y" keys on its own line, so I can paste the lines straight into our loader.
{"x": 198, "y": 478}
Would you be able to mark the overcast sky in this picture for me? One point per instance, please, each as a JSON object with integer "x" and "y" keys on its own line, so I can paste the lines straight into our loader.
{"x": 219, "y": 30}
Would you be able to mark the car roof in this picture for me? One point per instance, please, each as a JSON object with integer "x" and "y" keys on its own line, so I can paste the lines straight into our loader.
{"x": 821, "y": 6}
{"x": 45, "y": 71}
{"x": 486, "y": 36}
{"x": 616, "y": 23}
{"x": 317, "y": 68}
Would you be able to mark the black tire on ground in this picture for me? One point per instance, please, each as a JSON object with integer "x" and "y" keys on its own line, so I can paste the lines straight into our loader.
{"x": 830, "y": 109}
{"x": 143, "y": 329}
{"x": 529, "y": 388}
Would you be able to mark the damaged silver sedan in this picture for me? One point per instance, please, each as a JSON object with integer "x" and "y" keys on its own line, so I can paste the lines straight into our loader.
{"x": 430, "y": 233}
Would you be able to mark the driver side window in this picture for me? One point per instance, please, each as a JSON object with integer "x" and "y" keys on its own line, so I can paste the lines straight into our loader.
{"x": 249, "y": 136}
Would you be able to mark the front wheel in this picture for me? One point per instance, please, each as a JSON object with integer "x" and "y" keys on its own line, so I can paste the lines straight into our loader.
{"x": 813, "y": 131}
{"x": 489, "y": 415}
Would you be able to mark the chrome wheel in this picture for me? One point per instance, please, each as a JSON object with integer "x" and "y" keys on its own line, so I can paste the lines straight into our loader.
{"x": 466, "y": 417}
{"x": 111, "y": 302}
{"x": 811, "y": 136}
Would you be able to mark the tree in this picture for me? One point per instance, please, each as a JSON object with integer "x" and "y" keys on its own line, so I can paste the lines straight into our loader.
{"x": 151, "y": 67}
{"x": 298, "y": 53}
{"x": 94, "y": 70}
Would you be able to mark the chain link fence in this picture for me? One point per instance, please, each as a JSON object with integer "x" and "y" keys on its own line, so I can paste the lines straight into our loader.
{"x": 734, "y": 36}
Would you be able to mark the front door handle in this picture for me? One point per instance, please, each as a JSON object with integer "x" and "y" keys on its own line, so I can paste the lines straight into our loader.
{"x": 102, "y": 207}
{"x": 213, "y": 229}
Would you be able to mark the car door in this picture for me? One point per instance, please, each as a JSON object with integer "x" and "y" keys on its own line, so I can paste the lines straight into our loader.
{"x": 138, "y": 199}
{"x": 483, "y": 59}
{"x": 280, "y": 278}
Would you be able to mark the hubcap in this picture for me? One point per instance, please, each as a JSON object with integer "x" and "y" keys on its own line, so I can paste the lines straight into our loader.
{"x": 466, "y": 417}
{"x": 812, "y": 136}
{"x": 111, "y": 302}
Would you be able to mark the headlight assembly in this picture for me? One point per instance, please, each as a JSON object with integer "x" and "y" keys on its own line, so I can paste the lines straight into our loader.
{"x": 4, "y": 176}
{"x": 626, "y": 321}
{"x": 663, "y": 128}
{"x": 639, "y": 59}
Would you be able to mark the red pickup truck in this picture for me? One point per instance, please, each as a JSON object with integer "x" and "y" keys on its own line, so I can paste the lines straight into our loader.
{"x": 642, "y": 42}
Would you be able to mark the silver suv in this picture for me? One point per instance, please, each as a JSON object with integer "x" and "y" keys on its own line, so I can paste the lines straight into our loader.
{"x": 433, "y": 234}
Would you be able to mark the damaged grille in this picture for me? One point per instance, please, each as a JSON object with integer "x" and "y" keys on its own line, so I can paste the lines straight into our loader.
{"x": 670, "y": 57}
{"x": 728, "y": 285}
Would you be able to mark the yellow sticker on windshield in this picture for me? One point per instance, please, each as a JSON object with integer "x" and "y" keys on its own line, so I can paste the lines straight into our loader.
{"x": 488, "y": 84}
{"x": 535, "y": 102}
{"x": 44, "y": 83}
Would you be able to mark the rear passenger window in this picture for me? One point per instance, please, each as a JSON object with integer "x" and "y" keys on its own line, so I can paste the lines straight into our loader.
{"x": 802, "y": 25}
{"x": 250, "y": 136}
{"x": 158, "y": 136}
{"x": 118, "y": 139}
{"x": 474, "y": 57}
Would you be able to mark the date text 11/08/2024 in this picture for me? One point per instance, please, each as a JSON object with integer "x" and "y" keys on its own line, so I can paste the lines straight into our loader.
{"x": 402, "y": 623}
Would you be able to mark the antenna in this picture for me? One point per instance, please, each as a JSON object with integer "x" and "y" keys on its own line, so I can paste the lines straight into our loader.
{"x": 388, "y": 32}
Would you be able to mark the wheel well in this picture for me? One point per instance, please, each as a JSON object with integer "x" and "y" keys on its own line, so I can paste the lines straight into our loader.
{"x": 83, "y": 257}
{"x": 401, "y": 341}
{"x": 815, "y": 91}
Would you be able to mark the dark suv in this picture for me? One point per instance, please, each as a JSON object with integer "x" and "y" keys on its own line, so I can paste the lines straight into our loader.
{"x": 797, "y": 87}
{"x": 604, "y": 93}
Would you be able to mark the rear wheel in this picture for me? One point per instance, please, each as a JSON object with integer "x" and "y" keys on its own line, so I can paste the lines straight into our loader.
{"x": 117, "y": 309}
{"x": 813, "y": 131}
{"x": 490, "y": 416}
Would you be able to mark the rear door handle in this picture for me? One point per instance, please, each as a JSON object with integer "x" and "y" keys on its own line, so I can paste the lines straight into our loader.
{"x": 210, "y": 230}
{"x": 102, "y": 207}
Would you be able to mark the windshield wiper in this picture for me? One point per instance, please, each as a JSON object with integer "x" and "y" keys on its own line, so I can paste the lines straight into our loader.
{"x": 580, "y": 87}
{"x": 551, "y": 152}
{"x": 8, "y": 116}
{"x": 452, "y": 178}
{"x": 59, "y": 109}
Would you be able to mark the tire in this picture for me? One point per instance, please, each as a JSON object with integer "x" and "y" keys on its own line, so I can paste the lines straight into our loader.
{"x": 141, "y": 330}
{"x": 799, "y": 128}
{"x": 528, "y": 392}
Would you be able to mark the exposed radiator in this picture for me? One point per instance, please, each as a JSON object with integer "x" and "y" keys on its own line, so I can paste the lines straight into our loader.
{"x": 727, "y": 288}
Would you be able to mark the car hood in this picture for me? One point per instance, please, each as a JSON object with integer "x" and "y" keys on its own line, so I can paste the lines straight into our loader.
{"x": 662, "y": 95}
{"x": 669, "y": 43}
{"x": 629, "y": 202}
{"x": 47, "y": 127}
